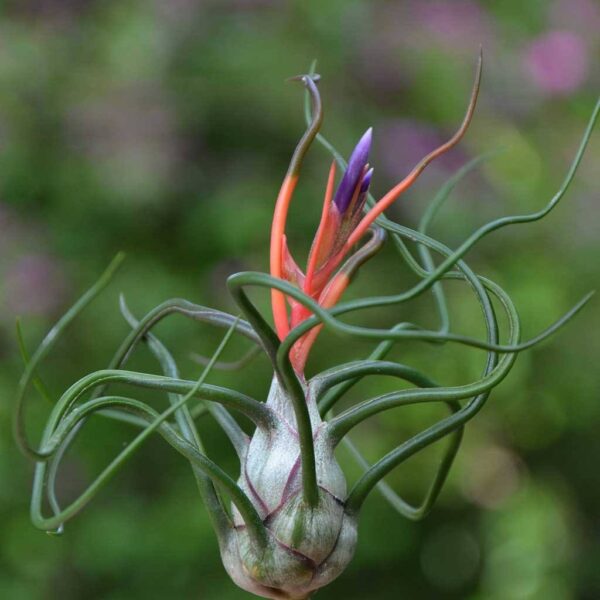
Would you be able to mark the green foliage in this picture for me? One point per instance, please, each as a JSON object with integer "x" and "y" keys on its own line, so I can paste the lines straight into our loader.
{"x": 164, "y": 130}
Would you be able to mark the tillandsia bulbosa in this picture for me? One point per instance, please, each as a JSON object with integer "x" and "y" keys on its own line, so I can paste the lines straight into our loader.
{"x": 292, "y": 526}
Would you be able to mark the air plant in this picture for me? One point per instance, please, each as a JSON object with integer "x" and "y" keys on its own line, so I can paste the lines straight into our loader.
{"x": 292, "y": 525}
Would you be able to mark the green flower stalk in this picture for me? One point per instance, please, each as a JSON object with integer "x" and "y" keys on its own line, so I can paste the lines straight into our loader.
{"x": 293, "y": 522}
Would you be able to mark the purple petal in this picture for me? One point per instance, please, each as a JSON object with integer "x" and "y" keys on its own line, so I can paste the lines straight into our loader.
{"x": 354, "y": 171}
{"x": 366, "y": 182}
{"x": 557, "y": 62}
{"x": 364, "y": 188}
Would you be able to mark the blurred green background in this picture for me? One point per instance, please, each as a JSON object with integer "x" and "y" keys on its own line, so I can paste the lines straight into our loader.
{"x": 164, "y": 129}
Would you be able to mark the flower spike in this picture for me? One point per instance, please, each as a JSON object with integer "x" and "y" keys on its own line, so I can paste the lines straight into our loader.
{"x": 342, "y": 222}
{"x": 339, "y": 217}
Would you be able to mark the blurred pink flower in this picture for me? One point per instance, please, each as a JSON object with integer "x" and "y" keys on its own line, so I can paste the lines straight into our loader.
{"x": 34, "y": 285}
{"x": 405, "y": 141}
{"x": 556, "y": 62}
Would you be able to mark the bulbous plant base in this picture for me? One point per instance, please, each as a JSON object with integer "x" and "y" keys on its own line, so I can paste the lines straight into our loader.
{"x": 281, "y": 572}
{"x": 307, "y": 547}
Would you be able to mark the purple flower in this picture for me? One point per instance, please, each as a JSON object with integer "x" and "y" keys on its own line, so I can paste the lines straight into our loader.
{"x": 364, "y": 190}
{"x": 406, "y": 141}
{"x": 557, "y": 62}
{"x": 355, "y": 173}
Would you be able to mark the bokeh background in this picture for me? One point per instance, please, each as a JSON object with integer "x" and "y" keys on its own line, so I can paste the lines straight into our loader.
{"x": 164, "y": 129}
